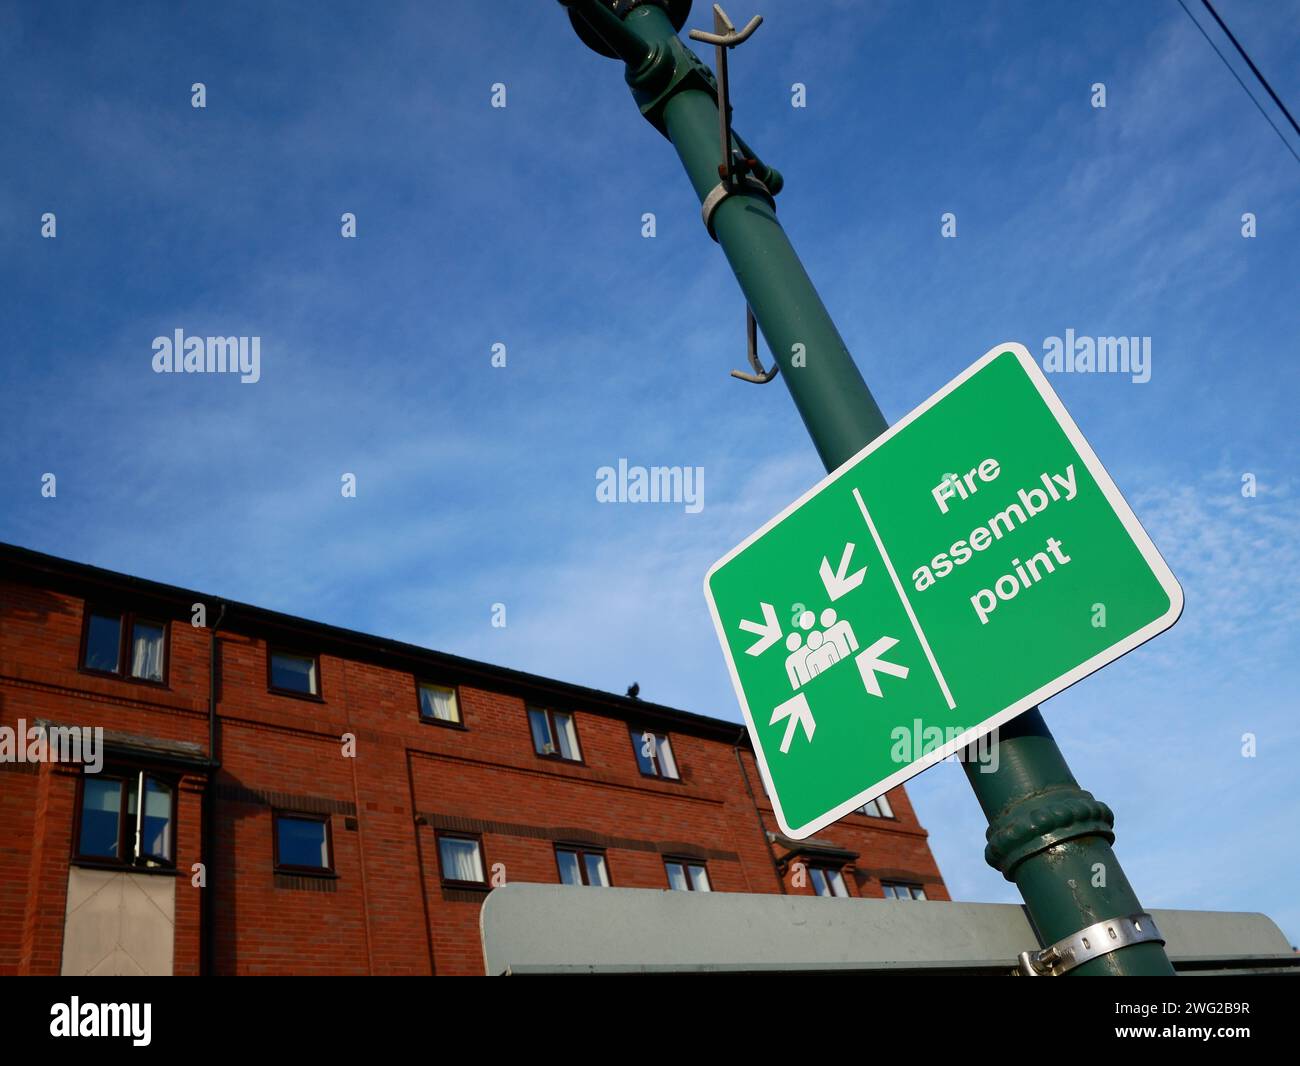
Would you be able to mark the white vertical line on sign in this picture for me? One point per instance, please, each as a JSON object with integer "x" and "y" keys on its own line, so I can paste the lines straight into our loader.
{"x": 907, "y": 605}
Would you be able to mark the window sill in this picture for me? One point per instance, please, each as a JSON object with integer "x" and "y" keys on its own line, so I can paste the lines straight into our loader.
{"x": 444, "y": 723}
{"x": 111, "y": 675}
{"x": 306, "y": 871}
{"x": 126, "y": 868}
{"x": 662, "y": 777}
{"x": 560, "y": 759}
{"x": 310, "y": 697}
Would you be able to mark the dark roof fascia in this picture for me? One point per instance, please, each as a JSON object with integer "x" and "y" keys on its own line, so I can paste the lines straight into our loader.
{"x": 24, "y": 564}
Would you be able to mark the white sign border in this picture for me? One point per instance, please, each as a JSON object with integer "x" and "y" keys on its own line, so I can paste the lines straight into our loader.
{"x": 1103, "y": 658}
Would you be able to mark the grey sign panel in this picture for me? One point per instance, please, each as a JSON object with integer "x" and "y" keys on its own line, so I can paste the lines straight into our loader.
{"x": 530, "y": 929}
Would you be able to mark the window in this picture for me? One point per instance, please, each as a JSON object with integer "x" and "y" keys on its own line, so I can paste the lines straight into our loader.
{"x": 295, "y": 675}
{"x": 461, "y": 860}
{"x": 894, "y": 890}
{"x": 438, "y": 704}
{"x": 121, "y": 644}
{"x": 685, "y": 875}
{"x": 102, "y": 828}
{"x": 827, "y": 881}
{"x": 877, "y": 808}
{"x": 654, "y": 754}
{"x": 156, "y": 822}
{"x": 103, "y": 643}
{"x": 302, "y": 843}
{"x": 554, "y": 734}
{"x": 147, "y": 650}
{"x": 128, "y": 819}
{"x": 581, "y": 866}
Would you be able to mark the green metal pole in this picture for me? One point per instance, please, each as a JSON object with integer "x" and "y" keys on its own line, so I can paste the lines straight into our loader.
{"x": 1047, "y": 835}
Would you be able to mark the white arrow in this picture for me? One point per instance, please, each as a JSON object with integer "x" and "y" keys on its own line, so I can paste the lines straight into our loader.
{"x": 837, "y": 584}
{"x": 869, "y": 662}
{"x": 797, "y": 710}
{"x": 769, "y": 629}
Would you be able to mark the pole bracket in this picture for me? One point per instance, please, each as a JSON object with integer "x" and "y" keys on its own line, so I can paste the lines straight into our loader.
{"x": 719, "y": 192}
{"x": 1098, "y": 939}
{"x": 737, "y": 169}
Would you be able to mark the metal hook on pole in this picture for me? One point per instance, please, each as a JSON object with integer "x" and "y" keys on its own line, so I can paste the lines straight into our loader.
{"x": 760, "y": 376}
{"x": 724, "y": 36}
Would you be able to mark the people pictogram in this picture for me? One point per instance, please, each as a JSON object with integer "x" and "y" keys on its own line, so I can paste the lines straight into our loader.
{"x": 821, "y": 649}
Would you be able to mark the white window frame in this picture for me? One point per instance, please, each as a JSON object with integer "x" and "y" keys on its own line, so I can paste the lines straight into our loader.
{"x": 687, "y": 867}
{"x": 660, "y": 743}
{"x": 879, "y": 808}
{"x": 902, "y": 890}
{"x": 420, "y": 686}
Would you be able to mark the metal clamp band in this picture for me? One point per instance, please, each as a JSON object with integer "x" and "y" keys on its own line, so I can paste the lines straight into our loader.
{"x": 722, "y": 190}
{"x": 1088, "y": 944}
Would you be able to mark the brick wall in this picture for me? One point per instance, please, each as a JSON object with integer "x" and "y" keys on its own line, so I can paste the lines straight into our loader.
{"x": 387, "y": 911}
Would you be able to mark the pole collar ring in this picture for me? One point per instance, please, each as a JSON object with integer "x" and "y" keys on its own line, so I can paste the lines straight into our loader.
{"x": 748, "y": 185}
{"x": 1044, "y": 821}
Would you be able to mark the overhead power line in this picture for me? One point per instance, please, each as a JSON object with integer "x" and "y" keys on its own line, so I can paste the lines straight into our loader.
{"x": 1250, "y": 63}
{"x": 1262, "y": 80}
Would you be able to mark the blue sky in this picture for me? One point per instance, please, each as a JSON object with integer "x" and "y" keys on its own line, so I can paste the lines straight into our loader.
{"x": 522, "y": 225}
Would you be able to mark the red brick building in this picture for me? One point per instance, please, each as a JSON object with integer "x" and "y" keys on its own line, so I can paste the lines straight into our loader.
{"x": 349, "y": 801}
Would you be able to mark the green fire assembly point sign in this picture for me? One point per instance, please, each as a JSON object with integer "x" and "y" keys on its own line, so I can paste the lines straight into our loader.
{"x": 965, "y": 566}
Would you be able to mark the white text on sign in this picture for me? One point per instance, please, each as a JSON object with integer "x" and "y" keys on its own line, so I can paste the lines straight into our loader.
{"x": 1051, "y": 488}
